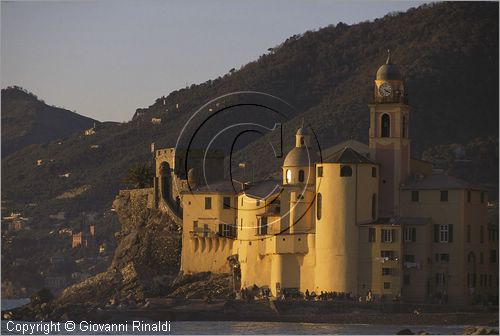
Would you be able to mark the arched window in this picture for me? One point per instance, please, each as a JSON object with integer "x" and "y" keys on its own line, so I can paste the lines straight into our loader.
{"x": 404, "y": 126}
{"x": 386, "y": 126}
{"x": 318, "y": 206}
{"x": 345, "y": 171}
{"x": 288, "y": 176}
{"x": 301, "y": 175}
{"x": 302, "y": 141}
{"x": 374, "y": 206}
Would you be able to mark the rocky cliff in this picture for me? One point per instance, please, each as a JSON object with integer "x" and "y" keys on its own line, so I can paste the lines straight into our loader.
{"x": 146, "y": 265}
{"x": 146, "y": 260}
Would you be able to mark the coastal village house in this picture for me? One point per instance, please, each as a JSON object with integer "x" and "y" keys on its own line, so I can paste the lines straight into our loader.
{"x": 355, "y": 218}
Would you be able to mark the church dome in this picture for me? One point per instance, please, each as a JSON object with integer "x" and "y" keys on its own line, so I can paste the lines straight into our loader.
{"x": 388, "y": 71}
{"x": 299, "y": 157}
{"x": 302, "y": 154}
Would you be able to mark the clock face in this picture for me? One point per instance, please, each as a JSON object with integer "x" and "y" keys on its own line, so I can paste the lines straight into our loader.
{"x": 385, "y": 89}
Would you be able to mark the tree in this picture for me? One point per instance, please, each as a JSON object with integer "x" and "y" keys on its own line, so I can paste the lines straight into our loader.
{"x": 140, "y": 176}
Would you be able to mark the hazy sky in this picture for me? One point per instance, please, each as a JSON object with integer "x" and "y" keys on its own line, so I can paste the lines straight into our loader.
{"x": 106, "y": 58}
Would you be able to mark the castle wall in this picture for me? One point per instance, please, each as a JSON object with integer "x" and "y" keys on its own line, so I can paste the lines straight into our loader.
{"x": 204, "y": 249}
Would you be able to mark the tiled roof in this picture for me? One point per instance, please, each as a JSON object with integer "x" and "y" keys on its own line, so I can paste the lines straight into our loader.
{"x": 346, "y": 155}
{"x": 263, "y": 189}
{"x": 402, "y": 221}
{"x": 217, "y": 187}
{"x": 440, "y": 181}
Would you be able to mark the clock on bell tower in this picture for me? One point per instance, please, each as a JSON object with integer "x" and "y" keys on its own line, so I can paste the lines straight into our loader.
{"x": 389, "y": 136}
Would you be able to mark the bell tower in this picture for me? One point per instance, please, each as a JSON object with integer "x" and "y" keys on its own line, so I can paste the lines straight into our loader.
{"x": 389, "y": 135}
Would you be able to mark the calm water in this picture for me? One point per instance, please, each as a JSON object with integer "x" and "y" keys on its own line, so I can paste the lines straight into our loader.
{"x": 252, "y": 328}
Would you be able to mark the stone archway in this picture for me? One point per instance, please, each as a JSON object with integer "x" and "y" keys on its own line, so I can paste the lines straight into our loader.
{"x": 165, "y": 181}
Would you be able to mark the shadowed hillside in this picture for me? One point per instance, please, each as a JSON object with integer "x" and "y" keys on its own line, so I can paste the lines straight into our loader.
{"x": 27, "y": 120}
{"x": 448, "y": 53}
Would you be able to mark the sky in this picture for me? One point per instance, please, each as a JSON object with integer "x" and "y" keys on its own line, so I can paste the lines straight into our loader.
{"x": 104, "y": 59}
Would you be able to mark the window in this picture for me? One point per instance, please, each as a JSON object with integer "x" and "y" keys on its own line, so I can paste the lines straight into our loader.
{"x": 493, "y": 256}
{"x": 388, "y": 236}
{"x": 444, "y": 195}
{"x": 205, "y": 230}
{"x": 241, "y": 224}
{"x": 374, "y": 172}
{"x": 208, "y": 202}
{"x": 482, "y": 197}
{"x": 242, "y": 201}
{"x": 320, "y": 171}
{"x": 262, "y": 229}
{"x": 387, "y": 271}
{"x": 371, "y": 235}
{"x": 440, "y": 278}
{"x": 471, "y": 280}
{"x": 288, "y": 176}
{"x": 404, "y": 126}
{"x": 442, "y": 258}
{"x": 481, "y": 257}
{"x": 481, "y": 234}
{"x": 300, "y": 197}
{"x": 345, "y": 171}
{"x": 443, "y": 233}
{"x": 387, "y": 254}
{"x": 468, "y": 196}
{"x": 318, "y": 206}
{"x": 386, "y": 126}
{"x": 226, "y": 202}
{"x": 409, "y": 258}
{"x": 410, "y": 234}
{"x": 374, "y": 206}
{"x": 406, "y": 279}
{"x": 387, "y": 285}
{"x": 227, "y": 230}
{"x": 468, "y": 233}
{"x": 302, "y": 141}
{"x": 414, "y": 196}
{"x": 195, "y": 226}
{"x": 257, "y": 202}
{"x": 471, "y": 258}
{"x": 301, "y": 175}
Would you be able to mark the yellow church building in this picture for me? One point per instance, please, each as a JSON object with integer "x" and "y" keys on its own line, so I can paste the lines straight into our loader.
{"x": 352, "y": 219}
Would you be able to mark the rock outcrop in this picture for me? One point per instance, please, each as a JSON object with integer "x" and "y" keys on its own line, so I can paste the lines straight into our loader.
{"x": 146, "y": 260}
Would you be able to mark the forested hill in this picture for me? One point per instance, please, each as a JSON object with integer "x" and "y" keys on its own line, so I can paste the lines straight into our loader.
{"x": 28, "y": 120}
{"x": 448, "y": 53}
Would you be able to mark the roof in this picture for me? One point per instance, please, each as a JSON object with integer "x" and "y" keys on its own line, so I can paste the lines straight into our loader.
{"x": 388, "y": 71}
{"x": 346, "y": 155}
{"x": 222, "y": 187}
{"x": 358, "y": 146}
{"x": 403, "y": 221}
{"x": 440, "y": 181}
{"x": 300, "y": 156}
{"x": 264, "y": 189}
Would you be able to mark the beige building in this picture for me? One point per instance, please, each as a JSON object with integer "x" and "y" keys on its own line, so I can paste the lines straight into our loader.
{"x": 358, "y": 218}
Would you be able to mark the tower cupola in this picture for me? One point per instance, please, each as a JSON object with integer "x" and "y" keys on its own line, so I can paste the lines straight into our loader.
{"x": 388, "y": 71}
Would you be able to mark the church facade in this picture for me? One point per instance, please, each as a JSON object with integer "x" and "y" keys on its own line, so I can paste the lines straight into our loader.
{"x": 354, "y": 219}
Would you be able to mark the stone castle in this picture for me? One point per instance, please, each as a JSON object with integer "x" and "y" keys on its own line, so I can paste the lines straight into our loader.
{"x": 352, "y": 219}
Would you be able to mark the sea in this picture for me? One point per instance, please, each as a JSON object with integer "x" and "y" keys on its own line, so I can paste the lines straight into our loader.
{"x": 219, "y": 327}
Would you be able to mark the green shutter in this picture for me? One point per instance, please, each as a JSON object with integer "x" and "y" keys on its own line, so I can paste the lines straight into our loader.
{"x": 436, "y": 233}
{"x": 450, "y": 233}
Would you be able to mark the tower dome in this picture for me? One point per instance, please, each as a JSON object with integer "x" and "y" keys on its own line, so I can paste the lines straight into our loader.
{"x": 388, "y": 71}
{"x": 302, "y": 154}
